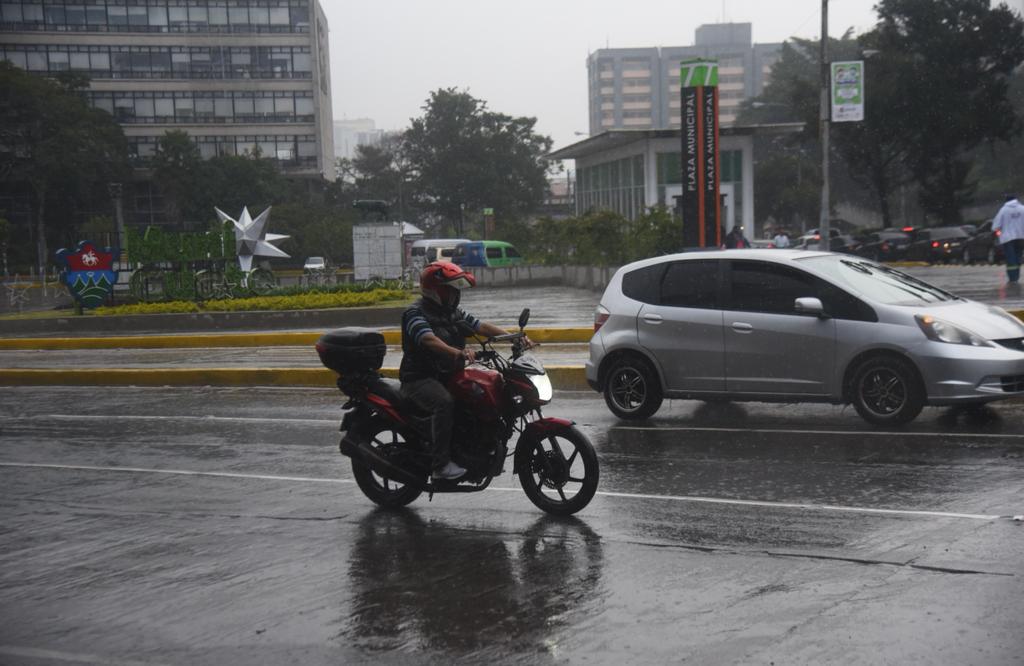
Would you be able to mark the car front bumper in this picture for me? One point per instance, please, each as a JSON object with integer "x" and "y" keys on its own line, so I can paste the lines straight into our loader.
{"x": 961, "y": 374}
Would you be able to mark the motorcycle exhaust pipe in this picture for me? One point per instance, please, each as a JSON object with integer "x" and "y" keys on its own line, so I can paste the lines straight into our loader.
{"x": 369, "y": 457}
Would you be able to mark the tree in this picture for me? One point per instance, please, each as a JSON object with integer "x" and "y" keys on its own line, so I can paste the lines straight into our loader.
{"x": 956, "y": 57}
{"x": 177, "y": 169}
{"x": 52, "y": 140}
{"x": 466, "y": 158}
{"x": 230, "y": 182}
{"x": 315, "y": 230}
{"x": 382, "y": 172}
{"x": 787, "y": 168}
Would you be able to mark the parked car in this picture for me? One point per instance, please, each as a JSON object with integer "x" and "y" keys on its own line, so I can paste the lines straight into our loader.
{"x": 983, "y": 245}
{"x": 428, "y": 250}
{"x": 883, "y": 245}
{"x": 792, "y": 326}
{"x": 838, "y": 243}
{"x": 490, "y": 253}
{"x": 937, "y": 245}
{"x": 812, "y": 236}
{"x": 314, "y": 264}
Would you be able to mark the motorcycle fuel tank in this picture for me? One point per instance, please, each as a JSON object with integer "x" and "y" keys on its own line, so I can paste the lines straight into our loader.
{"x": 480, "y": 388}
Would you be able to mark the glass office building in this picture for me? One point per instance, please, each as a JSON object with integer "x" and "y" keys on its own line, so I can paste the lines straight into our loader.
{"x": 238, "y": 76}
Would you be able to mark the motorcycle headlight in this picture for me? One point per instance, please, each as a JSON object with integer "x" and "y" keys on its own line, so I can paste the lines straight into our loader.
{"x": 543, "y": 386}
{"x": 943, "y": 331}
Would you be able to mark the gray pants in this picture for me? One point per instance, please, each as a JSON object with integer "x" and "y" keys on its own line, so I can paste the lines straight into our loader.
{"x": 430, "y": 396}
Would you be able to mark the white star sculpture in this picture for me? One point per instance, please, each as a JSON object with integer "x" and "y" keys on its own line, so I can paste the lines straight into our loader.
{"x": 248, "y": 243}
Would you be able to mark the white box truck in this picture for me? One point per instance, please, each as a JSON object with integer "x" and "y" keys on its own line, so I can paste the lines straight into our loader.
{"x": 377, "y": 251}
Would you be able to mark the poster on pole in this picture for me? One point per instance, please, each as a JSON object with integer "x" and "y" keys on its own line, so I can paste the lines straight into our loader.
{"x": 700, "y": 203}
{"x": 848, "y": 91}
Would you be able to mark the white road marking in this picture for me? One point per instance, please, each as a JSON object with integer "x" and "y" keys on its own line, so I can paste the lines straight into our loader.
{"x": 74, "y": 657}
{"x": 335, "y": 421}
{"x": 786, "y": 431}
{"x": 184, "y": 417}
{"x": 611, "y": 494}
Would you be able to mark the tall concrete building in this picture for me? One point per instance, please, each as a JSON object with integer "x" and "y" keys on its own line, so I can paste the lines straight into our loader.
{"x": 237, "y": 75}
{"x": 350, "y": 134}
{"x": 638, "y": 88}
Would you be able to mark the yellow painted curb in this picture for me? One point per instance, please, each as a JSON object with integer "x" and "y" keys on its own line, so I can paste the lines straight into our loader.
{"x": 563, "y": 377}
{"x": 281, "y": 339}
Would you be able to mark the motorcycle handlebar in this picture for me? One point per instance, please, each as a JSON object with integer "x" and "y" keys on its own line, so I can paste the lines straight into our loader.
{"x": 508, "y": 336}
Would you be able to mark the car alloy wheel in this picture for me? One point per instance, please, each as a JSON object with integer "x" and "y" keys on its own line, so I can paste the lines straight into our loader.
{"x": 632, "y": 390}
{"x": 886, "y": 391}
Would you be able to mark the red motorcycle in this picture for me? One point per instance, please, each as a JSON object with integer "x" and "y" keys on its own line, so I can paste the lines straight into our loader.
{"x": 497, "y": 398}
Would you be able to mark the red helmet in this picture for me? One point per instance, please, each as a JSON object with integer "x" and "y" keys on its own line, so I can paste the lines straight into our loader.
{"x": 442, "y": 281}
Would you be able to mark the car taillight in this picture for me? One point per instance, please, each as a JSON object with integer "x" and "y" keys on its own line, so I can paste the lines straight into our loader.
{"x": 935, "y": 243}
{"x": 999, "y": 232}
{"x": 600, "y": 317}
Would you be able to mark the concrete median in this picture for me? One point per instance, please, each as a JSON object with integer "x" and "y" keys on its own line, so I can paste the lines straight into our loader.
{"x": 272, "y": 339}
{"x": 563, "y": 377}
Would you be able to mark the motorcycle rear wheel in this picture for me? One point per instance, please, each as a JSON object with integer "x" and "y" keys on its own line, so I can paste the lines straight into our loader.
{"x": 388, "y": 443}
{"x": 560, "y": 474}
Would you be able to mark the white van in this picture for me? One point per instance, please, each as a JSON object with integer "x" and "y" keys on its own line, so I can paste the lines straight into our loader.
{"x": 429, "y": 250}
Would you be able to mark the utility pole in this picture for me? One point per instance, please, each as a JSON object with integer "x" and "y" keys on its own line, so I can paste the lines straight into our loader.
{"x": 824, "y": 113}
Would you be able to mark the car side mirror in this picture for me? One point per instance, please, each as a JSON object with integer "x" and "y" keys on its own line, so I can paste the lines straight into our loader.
{"x": 809, "y": 305}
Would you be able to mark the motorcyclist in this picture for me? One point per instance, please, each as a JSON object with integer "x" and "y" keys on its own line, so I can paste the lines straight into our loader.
{"x": 433, "y": 348}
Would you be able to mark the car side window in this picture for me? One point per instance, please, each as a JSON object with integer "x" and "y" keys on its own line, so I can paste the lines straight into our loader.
{"x": 757, "y": 286}
{"x": 690, "y": 284}
{"x": 494, "y": 253}
{"x": 512, "y": 252}
{"x": 644, "y": 284}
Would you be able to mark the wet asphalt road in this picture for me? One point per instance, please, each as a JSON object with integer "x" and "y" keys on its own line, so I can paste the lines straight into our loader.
{"x": 220, "y": 526}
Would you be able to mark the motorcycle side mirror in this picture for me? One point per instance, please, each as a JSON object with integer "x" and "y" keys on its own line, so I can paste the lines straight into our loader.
{"x": 524, "y": 317}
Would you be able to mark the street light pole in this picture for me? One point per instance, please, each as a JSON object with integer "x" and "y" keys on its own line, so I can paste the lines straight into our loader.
{"x": 824, "y": 112}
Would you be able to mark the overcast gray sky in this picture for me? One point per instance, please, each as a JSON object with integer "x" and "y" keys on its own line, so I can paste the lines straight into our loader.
{"x": 527, "y": 57}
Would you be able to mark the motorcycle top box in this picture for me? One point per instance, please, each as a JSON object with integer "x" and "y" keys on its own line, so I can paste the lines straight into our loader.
{"x": 352, "y": 350}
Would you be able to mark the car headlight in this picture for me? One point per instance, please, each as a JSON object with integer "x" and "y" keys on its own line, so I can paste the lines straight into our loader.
{"x": 943, "y": 331}
{"x": 543, "y": 385}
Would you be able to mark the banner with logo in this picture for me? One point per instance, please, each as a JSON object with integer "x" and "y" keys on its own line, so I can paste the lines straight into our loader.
{"x": 848, "y": 91}
{"x": 700, "y": 204}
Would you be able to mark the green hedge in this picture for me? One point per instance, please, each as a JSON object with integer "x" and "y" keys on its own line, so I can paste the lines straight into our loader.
{"x": 312, "y": 300}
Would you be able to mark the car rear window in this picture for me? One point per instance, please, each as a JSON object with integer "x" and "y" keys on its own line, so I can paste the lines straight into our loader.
{"x": 644, "y": 284}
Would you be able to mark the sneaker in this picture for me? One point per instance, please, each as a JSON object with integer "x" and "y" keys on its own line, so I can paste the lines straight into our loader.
{"x": 449, "y": 472}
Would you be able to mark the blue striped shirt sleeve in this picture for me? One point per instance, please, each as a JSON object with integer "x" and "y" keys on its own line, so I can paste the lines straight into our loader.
{"x": 462, "y": 315}
{"x": 416, "y": 326}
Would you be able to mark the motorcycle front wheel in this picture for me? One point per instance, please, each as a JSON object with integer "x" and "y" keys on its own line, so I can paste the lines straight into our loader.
{"x": 391, "y": 445}
{"x": 560, "y": 473}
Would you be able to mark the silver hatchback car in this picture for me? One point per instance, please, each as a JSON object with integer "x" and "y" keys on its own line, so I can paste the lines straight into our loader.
{"x": 796, "y": 326}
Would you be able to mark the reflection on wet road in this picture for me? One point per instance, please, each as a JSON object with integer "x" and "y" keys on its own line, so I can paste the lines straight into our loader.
{"x": 211, "y": 526}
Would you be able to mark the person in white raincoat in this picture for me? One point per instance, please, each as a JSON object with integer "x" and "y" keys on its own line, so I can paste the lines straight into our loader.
{"x": 1009, "y": 224}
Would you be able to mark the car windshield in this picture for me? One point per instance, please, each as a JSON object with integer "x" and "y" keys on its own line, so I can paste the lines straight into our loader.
{"x": 877, "y": 282}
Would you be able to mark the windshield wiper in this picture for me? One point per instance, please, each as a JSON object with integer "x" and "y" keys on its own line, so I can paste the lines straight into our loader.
{"x": 857, "y": 266}
{"x": 920, "y": 285}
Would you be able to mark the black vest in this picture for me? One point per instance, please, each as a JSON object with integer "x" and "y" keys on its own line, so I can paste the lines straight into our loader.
{"x": 419, "y": 362}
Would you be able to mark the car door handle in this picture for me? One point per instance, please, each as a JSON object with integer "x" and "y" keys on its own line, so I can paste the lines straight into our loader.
{"x": 652, "y": 318}
{"x": 741, "y": 327}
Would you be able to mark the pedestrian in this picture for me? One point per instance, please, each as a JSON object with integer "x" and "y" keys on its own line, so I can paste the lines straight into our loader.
{"x": 781, "y": 239}
{"x": 735, "y": 239}
{"x": 1009, "y": 225}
